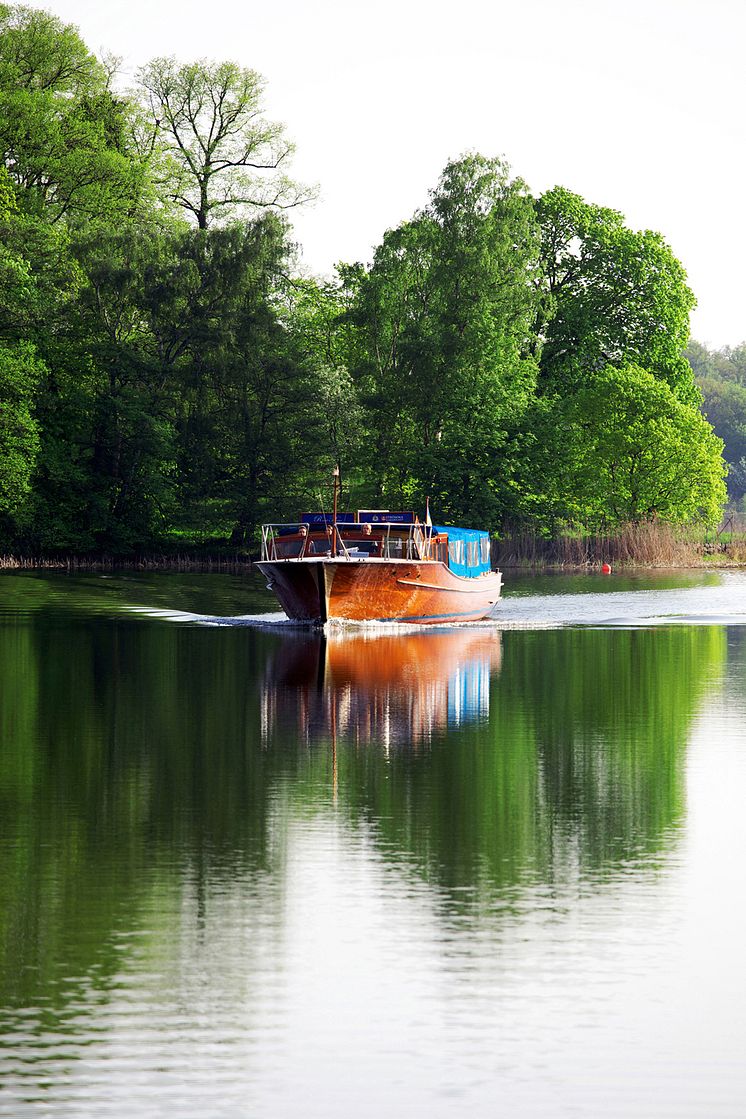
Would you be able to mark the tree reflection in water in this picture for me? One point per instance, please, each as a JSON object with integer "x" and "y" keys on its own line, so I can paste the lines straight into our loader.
{"x": 144, "y": 760}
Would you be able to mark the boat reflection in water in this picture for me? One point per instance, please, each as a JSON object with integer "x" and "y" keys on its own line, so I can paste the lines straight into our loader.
{"x": 396, "y": 690}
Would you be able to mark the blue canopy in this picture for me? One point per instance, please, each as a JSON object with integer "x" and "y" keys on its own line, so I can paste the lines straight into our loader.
{"x": 468, "y": 550}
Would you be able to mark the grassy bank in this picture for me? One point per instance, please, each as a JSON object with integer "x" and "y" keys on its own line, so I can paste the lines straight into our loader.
{"x": 648, "y": 544}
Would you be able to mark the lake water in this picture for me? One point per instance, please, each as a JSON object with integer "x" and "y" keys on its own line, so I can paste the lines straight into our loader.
{"x": 491, "y": 870}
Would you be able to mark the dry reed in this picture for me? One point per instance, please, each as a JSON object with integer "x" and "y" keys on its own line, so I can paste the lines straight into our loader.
{"x": 645, "y": 544}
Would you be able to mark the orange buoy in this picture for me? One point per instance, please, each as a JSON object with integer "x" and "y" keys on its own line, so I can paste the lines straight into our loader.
{"x": 606, "y": 568}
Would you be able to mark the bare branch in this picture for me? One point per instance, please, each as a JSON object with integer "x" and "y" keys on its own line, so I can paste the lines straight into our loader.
{"x": 224, "y": 154}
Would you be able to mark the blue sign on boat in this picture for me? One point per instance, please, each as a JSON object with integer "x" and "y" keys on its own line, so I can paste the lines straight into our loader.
{"x": 382, "y": 516}
{"x": 327, "y": 518}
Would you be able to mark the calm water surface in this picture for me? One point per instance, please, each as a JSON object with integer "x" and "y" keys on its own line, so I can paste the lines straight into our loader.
{"x": 489, "y": 870}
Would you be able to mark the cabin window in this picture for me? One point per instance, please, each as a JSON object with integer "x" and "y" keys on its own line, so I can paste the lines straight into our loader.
{"x": 286, "y": 549}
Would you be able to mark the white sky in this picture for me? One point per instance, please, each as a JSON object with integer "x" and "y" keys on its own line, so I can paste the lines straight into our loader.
{"x": 634, "y": 104}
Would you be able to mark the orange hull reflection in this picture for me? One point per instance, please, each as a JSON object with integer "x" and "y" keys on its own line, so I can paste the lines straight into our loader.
{"x": 396, "y": 690}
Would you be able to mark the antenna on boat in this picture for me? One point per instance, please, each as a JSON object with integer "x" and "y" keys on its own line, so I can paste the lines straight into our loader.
{"x": 335, "y": 474}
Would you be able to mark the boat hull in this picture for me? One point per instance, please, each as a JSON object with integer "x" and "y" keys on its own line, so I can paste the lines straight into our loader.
{"x": 419, "y": 592}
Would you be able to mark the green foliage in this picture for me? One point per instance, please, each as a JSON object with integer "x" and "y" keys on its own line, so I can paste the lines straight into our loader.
{"x": 721, "y": 378}
{"x": 16, "y": 283}
{"x": 316, "y": 318}
{"x": 726, "y": 364}
{"x": 499, "y": 355}
{"x": 8, "y": 204}
{"x": 224, "y": 157}
{"x": 62, "y": 131}
{"x": 444, "y": 318}
{"x": 20, "y": 373}
{"x": 725, "y": 408}
{"x": 624, "y": 448}
{"x": 613, "y": 297}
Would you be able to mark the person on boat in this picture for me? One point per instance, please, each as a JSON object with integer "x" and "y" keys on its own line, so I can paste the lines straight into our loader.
{"x": 370, "y": 546}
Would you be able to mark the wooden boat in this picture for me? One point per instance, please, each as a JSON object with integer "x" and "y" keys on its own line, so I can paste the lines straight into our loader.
{"x": 378, "y": 566}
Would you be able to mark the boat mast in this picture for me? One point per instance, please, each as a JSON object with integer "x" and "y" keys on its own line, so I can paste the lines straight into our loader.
{"x": 334, "y": 515}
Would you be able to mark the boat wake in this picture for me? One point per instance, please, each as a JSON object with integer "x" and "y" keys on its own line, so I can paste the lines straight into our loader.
{"x": 280, "y": 622}
{"x": 275, "y": 620}
{"x": 716, "y": 605}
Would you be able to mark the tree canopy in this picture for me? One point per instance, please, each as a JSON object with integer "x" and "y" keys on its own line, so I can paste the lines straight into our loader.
{"x": 612, "y": 296}
{"x": 721, "y": 378}
{"x": 167, "y": 378}
{"x": 625, "y": 449}
{"x": 63, "y": 133}
{"x": 443, "y": 319}
{"x": 225, "y": 157}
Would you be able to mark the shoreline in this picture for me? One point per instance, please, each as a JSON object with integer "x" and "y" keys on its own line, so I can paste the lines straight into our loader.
{"x": 174, "y": 564}
{"x": 241, "y": 565}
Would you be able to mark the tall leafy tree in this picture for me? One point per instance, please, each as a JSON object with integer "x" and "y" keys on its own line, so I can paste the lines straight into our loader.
{"x": 726, "y": 364}
{"x": 612, "y": 296}
{"x": 20, "y": 375}
{"x": 721, "y": 378}
{"x": 622, "y": 449}
{"x": 21, "y": 372}
{"x": 63, "y": 133}
{"x": 248, "y": 431}
{"x": 724, "y": 405}
{"x": 315, "y": 314}
{"x": 445, "y": 315}
{"x": 226, "y": 158}
{"x": 197, "y": 386}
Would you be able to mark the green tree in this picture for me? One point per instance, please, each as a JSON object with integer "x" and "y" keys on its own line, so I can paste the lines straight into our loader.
{"x": 624, "y": 448}
{"x": 20, "y": 374}
{"x": 16, "y": 281}
{"x": 225, "y": 157}
{"x": 444, "y": 317}
{"x": 721, "y": 378}
{"x": 200, "y": 387}
{"x": 251, "y": 407}
{"x": 21, "y": 370}
{"x": 726, "y": 364}
{"x": 63, "y": 134}
{"x": 612, "y": 297}
{"x": 724, "y": 405}
{"x": 316, "y": 317}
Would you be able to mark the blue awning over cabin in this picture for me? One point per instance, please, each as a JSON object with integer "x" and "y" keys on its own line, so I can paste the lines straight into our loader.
{"x": 468, "y": 550}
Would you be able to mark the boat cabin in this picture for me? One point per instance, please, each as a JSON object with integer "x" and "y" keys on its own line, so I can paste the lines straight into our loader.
{"x": 377, "y": 534}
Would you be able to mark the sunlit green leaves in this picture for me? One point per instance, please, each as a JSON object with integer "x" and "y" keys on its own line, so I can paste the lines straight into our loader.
{"x": 20, "y": 374}
{"x": 616, "y": 296}
{"x": 224, "y": 158}
{"x": 624, "y": 448}
{"x": 445, "y": 315}
{"x": 62, "y": 132}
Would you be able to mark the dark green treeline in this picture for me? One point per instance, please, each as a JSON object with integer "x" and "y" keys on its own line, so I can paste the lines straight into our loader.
{"x": 168, "y": 380}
